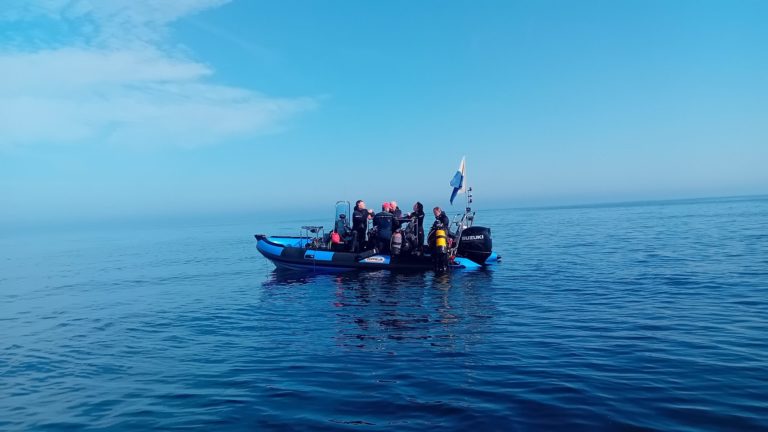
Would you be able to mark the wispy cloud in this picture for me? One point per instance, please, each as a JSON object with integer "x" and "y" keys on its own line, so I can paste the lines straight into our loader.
{"x": 105, "y": 72}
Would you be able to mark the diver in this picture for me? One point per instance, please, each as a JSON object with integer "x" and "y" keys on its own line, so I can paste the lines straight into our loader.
{"x": 360, "y": 218}
{"x": 441, "y": 217}
{"x": 440, "y": 240}
{"x": 395, "y": 210}
{"x": 417, "y": 219}
{"x": 385, "y": 224}
{"x": 440, "y": 251}
{"x": 441, "y": 222}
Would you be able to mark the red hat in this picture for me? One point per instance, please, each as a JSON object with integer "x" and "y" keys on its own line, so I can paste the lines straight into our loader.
{"x": 386, "y": 206}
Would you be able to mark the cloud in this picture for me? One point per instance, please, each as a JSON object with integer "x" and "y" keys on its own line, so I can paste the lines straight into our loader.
{"x": 109, "y": 77}
{"x": 107, "y": 23}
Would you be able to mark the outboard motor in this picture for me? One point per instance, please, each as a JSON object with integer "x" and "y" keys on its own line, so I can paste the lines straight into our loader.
{"x": 475, "y": 243}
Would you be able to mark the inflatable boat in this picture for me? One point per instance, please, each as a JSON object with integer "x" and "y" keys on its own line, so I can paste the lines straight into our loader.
{"x": 297, "y": 253}
{"x": 466, "y": 247}
{"x": 450, "y": 245}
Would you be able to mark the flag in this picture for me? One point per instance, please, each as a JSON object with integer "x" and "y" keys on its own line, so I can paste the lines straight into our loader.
{"x": 458, "y": 180}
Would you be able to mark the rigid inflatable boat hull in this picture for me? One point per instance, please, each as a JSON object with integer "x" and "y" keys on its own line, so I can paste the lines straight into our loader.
{"x": 291, "y": 253}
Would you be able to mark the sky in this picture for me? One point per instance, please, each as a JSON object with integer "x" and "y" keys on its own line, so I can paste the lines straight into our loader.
{"x": 146, "y": 107}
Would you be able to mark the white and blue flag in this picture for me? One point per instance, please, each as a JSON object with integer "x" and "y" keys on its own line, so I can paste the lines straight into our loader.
{"x": 458, "y": 180}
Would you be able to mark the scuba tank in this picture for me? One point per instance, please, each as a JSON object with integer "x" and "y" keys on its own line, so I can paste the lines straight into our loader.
{"x": 441, "y": 241}
{"x": 440, "y": 256}
{"x": 397, "y": 242}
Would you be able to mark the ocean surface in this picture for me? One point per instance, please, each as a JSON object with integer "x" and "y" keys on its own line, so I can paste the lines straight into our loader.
{"x": 644, "y": 316}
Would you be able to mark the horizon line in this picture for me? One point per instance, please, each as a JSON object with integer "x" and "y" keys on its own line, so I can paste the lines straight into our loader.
{"x": 632, "y": 202}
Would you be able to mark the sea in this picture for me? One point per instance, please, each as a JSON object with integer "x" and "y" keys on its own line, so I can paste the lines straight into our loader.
{"x": 649, "y": 316}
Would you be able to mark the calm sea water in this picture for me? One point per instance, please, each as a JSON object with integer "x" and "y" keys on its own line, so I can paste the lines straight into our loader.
{"x": 638, "y": 317}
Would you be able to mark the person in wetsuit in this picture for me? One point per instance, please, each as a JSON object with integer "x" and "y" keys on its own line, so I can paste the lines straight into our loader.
{"x": 417, "y": 218}
{"x": 360, "y": 225}
{"x": 441, "y": 220}
{"x": 385, "y": 224}
{"x": 441, "y": 217}
{"x": 395, "y": 210}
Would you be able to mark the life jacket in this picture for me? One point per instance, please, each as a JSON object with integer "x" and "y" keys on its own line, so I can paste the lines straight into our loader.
{"x": 335, "y": 238}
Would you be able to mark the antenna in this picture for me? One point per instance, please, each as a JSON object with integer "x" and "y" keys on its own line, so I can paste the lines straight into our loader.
{"x": 469, "y": 198}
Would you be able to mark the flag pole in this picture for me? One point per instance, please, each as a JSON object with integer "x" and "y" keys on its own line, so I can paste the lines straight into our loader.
{"x": 465, "y": 186}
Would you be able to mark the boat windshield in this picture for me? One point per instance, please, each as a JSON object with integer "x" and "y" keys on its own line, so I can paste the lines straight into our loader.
{"x": 343, "y": 208}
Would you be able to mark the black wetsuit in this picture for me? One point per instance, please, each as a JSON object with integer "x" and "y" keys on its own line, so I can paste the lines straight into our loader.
{"x": 443, "y": 218}
{"x": 385, "y": 224}
{"x": 360, "y": 228}
{"x": 418, "y": 218}
{"x": 443, "y": 222}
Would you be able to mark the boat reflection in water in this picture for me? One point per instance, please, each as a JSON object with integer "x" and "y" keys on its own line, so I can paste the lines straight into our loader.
{"x": 378, "y": 310}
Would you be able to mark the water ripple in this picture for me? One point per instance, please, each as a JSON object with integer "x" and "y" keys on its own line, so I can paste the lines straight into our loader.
{"x": 601, "y": 318}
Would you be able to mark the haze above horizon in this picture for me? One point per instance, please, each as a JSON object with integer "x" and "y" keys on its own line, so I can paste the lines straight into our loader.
{"x": 136, "y": 107}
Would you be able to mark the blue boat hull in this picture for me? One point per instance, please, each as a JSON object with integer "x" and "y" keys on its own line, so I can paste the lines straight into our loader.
{"x": 292, "y": 253}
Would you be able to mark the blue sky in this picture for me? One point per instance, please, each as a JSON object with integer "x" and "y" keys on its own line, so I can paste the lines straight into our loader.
{"x": 139, "y": 107}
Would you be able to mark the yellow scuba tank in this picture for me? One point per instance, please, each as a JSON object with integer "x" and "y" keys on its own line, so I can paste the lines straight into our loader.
{"x": 441, "y": 240}
{"x": 440, "y": 256}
